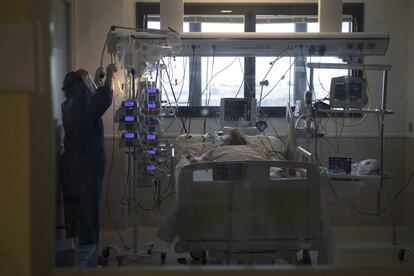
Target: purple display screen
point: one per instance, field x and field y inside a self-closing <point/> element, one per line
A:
<point x="129" y="104"/>
<point x="129" y="118"/>
<point x="129" y="135"/>
<point x="151" y="90"/>
<point x="152" y="152"/>
<point x="152" y="105"/>
<point x="152" y="137"/>
<point x="151" y="168"/>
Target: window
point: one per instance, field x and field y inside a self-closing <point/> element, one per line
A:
<point x="210" y="78"/>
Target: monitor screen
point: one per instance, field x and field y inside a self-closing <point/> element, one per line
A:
<point x="348" y="92"/>
<point x="238" y="112"/>
<point x="351" y="92"/>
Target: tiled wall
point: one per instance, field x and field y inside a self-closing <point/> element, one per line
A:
<point x="409" y="200"/>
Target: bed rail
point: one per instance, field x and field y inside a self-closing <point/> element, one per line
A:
<point x="248" y="205"/>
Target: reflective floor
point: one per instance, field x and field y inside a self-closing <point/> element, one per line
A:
<point x="355" y="246"/>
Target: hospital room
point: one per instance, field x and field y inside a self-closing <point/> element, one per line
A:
<point x="174" y="136"/>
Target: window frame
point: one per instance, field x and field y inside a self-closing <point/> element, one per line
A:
<point x="250" y="11"/>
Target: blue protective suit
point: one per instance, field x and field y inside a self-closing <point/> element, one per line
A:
<point x="82" y="166"/>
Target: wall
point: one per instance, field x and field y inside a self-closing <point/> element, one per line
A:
<point x="25" y="140"/>
<point x="410" y="69"/>
<point x="377" y="14"/>
<point x="410" y="114"/>
<point x="14" y="188"/>
<point x="14" y="141"/>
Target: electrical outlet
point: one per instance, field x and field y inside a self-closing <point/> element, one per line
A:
<point x="410" y="127"/>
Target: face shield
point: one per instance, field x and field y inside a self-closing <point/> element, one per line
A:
<point x="87" y="79"/>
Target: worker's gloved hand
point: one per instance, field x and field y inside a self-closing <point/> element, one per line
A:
<point x="99" y="76"/>
<point x="110" y="70"/>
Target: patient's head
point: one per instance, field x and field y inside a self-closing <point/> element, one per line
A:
<point x="235" y="138"/>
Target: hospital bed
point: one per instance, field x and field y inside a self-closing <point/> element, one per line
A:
<point x="248" y="210"/>
<point x="238" y="208"/>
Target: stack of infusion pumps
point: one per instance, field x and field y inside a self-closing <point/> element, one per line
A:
<point x="139" y="126"/>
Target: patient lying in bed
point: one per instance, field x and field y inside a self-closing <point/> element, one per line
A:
<point x="235" y="148"/>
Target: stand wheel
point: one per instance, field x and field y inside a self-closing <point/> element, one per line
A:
<point x="119" y="260"/>
<point x="106" y="252"/>
<point x="163" y="257"/>
<point x="401" y="254"/>
<point x="204" y="257"/>
<point x="196" y="255"/>
<point x="182" y="261"/>
<point x="306" y="257"/>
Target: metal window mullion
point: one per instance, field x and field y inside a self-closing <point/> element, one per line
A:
<point x="250" y="62"/>
<point x="194" y="95"/>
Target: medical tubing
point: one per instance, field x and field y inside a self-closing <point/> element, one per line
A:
<point x="243" y="79"/>
<point x="182" y="84"/>
<point x="304" y="68"/>
<point x="215" y="75"/>
<point x="281" y="78"/>
<point x="279" y="56"/>
<point x="175" y="99"/>
<point x="108" y="182"/>
<point x="212" y="71"/>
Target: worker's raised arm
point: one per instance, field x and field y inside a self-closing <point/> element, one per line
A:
<point x="102" y="99"/>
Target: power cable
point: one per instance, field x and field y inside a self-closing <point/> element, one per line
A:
<point x="108" y="182"/>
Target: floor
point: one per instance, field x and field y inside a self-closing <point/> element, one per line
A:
<point x="355" y="246"/>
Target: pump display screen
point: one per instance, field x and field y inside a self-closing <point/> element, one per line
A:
<point x="152" y="152"/>
<point x="152" y="105"/>
<point x="152" y="90"/>
<point x="151" y="168"/>
<point x="152" y="137"/>
<point x="129" y="104"/>
<point x="129" y="135"/>
<point x="130" y="119"/>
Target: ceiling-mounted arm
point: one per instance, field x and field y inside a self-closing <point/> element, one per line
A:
<point x="269" y="44"/>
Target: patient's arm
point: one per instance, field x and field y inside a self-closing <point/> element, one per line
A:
<point x="193" y="158"/>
